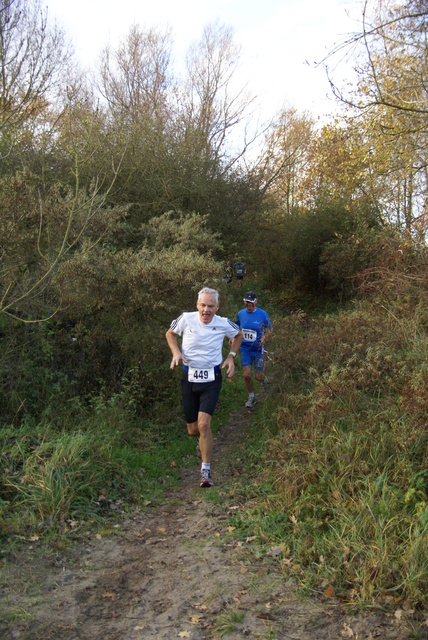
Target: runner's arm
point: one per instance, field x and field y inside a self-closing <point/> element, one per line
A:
<point x="171" y="339"/>
<point x="236" y="341"/>
<point x="234" y="346"/>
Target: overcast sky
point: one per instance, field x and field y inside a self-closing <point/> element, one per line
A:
<point x="278" y="38"/>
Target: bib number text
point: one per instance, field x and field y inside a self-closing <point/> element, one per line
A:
<point x="201" y="375"/>
<point x="249" y="335"/>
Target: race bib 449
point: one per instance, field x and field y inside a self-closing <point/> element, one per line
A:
<point x="201" y="375"/>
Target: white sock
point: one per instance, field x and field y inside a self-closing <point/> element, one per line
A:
<point x="206" y="465"/>
<point x="252" y="395"/>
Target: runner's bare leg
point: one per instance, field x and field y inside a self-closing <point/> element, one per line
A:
<point x="202" y="428"/>
<point x="248" y="379"/>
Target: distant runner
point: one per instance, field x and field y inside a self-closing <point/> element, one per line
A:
<point x="240" y="271"/>
<point x="203" y="333"/>
<point x="256" y="328"/>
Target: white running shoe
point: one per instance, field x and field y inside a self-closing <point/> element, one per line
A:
<point x="206" y="480"/>
<point x="250" y="402"/>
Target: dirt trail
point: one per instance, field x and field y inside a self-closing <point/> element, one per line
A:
<point x="172" y="572"/>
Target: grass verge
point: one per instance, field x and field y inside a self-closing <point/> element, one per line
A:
<point x="57" y="479"/>
<point x="335" y="484"/>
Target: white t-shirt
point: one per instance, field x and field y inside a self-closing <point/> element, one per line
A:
<point x="202" y="343"/>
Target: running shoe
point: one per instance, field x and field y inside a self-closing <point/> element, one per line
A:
<point x="206" y="480"/>
<point x="250" y="402"/>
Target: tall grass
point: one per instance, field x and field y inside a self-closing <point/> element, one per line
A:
<point x="344" y="473"/>
<point x="93" y="468"/>
<point x="52" y="474"/>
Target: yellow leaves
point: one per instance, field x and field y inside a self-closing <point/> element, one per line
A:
<point x="347" y="632"/>
<point x="195" y="618"/>
<point x="329" y="592"/>
<point x="266" y="616"/>
<point x="276" y="551"/>
<point x="293" y="519"/>
<point x="289" y="565"/>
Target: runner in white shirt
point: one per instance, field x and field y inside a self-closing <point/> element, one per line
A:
<point x="203" y="333"/>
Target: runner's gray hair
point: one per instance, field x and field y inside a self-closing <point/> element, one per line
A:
<point x="210" y="292"/>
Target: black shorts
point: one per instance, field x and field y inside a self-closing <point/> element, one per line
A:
<point x="199" y="396"/>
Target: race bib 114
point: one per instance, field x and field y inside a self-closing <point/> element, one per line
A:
<point x="249" y="335"/>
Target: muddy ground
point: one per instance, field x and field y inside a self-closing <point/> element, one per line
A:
<point x="174" y="571"/>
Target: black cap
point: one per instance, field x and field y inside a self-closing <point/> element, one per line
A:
<point x="250" y="296"/>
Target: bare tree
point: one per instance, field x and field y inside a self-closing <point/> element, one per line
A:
<point x="32" y="60"/>
<point x="391" y="93"/>
<point x="283" y="163"/>
<point x="391" y="56"/>
<point x="134" y="80"/>
<point x="214" y="105"/>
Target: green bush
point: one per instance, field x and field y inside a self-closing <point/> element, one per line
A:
<point x="318" y="251"/>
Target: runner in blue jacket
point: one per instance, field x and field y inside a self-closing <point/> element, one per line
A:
<point x="256" y="328"/>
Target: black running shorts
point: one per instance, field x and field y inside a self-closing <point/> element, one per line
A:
<point x="199" y="396"/>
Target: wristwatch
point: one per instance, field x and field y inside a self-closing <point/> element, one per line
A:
<point x="232" y="353"/>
